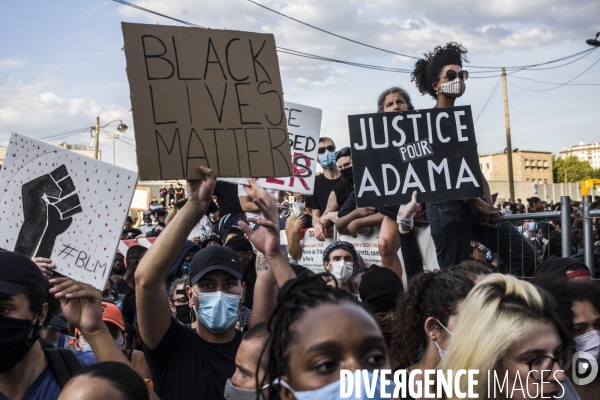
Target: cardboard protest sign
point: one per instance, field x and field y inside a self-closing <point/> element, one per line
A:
<point x="432" y="151"/>
<point x="206" y="97"/>
<point x="61" y="205"/>
<point x="304" y="128"/>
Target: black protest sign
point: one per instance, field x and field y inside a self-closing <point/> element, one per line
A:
<point x="206" y="97"/>
<point x="432" y="151"/>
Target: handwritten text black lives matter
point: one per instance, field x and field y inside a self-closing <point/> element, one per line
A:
<point x="206" y="97"/>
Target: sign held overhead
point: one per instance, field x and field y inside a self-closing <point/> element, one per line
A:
<point x="432" y="151"/>
<point x="206" y="97"/>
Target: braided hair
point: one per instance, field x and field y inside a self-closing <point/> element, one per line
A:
<point x="429" y="294"/>
<point x="427" y="69"/>
<point x="295" y="298"/>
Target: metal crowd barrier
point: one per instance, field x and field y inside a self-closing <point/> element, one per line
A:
<point x="588" y="233"/>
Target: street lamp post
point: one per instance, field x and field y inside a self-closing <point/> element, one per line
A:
<point x="121" y="128"/>
<point x="511" y="182"/>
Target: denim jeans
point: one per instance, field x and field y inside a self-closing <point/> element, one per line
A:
<point x="455" y="223"/>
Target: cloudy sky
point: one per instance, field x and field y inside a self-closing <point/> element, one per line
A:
<point x="61" y="62"/>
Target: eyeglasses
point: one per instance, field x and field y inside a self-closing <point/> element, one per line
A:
<point x="451" y="75"/>
<point x="182" y="301"/>
<point x="541" y="367"/>
<point x="343" y="152"/>
<point x="330" y="148"/>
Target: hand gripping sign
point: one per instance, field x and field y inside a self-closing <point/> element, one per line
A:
<point x="58" y="204"/>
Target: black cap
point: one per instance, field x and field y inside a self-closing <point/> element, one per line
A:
<point x="18" y="272"/>
<point x="214" y="258"/>
<point x="238" y="243"/>
<point x="154" y="208"/>
<point x="211" y="238"/>
<point x="379" y="288"/>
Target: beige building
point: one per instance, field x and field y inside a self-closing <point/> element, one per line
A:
<point x="528" y="166"/>
<point x="585" y="152"/>
<point x="77" y="148"/>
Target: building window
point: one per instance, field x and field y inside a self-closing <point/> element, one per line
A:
<point x="545" y="180"/>
<point x="487" y="165"/>
<point x="526" y="163"/>
<point x="545" y="164"/>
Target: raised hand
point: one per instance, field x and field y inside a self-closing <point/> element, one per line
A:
<point x="202" y="189"/>
<point x="45" y="265"/>
<point x="49" y="203"/>
<point x="266" y="238"/>
<point x="81" y="304"/>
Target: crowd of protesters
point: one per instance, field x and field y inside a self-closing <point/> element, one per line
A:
<point x="216" y="308"/>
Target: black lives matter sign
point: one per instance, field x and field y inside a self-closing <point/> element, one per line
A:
<point x="431" y="151"/>
<point x="206" y="97"/>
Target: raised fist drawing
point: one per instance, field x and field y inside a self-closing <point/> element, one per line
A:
<point x="49" y="203"/>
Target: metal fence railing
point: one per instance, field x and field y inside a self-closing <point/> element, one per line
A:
<point x="566" y="220"/>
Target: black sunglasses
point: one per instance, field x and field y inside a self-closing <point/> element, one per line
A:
<point x="330" y="148"/>
<point x="451" y="75"/>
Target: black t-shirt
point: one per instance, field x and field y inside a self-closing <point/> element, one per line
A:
<point x="131" y="233"/>
<point x="323" y="188"/>
<point x="184" y="366"/>
<point x="129" y="309"/>
<point x="348" y="206"/>
<point x="227" y="197"/>
<point x="342" y="191"/>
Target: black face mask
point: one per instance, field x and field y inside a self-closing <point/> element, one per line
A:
<point x="15" y="341"/>
<point x="348" y="175"/>
<point x="183" y="314"/>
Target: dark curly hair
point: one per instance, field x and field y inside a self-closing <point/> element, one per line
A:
<point x="427" y="70"/>
<point x="295" y="298"/>
<point x="430" y="294"/>
<point x="566" y="291"/>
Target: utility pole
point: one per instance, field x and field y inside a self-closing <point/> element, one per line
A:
<point x="511" y="182"/>
<point x="114" y="136"/>
<point x="97" y="128"/>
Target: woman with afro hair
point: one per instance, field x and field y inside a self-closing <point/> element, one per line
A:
<point x="455" y="223"/>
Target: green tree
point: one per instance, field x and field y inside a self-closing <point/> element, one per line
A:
<point x="596" y="174"/>
<point x="576" y="170"/>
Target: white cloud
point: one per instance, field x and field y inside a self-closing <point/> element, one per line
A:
<point x="10" y="63"/>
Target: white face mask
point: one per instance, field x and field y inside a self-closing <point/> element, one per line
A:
<point x="442" y="352"/>
<point x="342" y="270"/>
<point x="455" y="88"/>
<point x="590" y="343"/>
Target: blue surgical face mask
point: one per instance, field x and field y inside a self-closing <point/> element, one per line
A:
<point x="332" y="391"/>
<point x="327" y="160"/>
<point x="217" y="311"/>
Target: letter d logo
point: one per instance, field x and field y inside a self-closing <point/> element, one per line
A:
<point x="584" y="364"/>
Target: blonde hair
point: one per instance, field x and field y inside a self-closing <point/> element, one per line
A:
<point x="500" y="311"/>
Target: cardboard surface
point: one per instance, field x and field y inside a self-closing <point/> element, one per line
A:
<point x="432" y="151"/>
<point x="304" y="129"/>
<point x="61" y="205"/>
<point x="205" y="97"/>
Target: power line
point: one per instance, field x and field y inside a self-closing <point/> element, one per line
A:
<point x="560" y="84"/>
<point x="405" y="55"/>
<point x="65" y="134"/>
<point x="333" y="34"/>
<point x="360" y="65"/>
<point x="556" y="83"/>
<point x="488" y="100"/>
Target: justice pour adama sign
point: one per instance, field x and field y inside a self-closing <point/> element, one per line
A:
<point x="431" y="151"/>
<point x="206" y="97"/>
